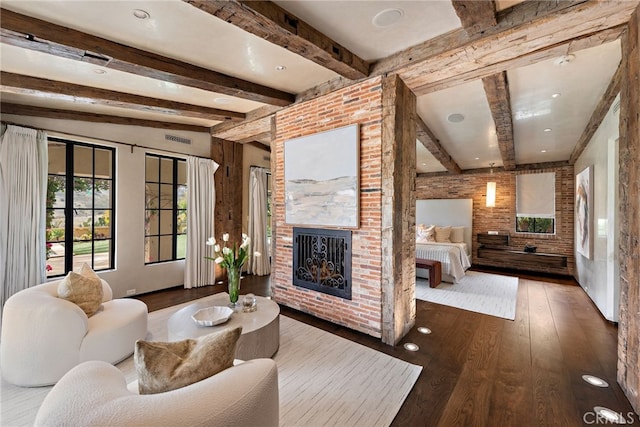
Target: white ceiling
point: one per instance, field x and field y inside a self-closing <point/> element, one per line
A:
<point x="178" y="30"/>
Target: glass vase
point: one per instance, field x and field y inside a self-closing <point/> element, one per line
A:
<point x="233" y="279"/>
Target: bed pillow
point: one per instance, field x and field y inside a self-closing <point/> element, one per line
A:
<point x="457" y="235"/>
<point x="443" y="234"/>
<point x="83" y="289"/>
<point x="425" y="234"/>
<point x="165" y="366"/>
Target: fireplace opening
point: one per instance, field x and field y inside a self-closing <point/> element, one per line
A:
<point x="322" y="260"/>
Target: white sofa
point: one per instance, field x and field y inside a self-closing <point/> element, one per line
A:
<point x="44" y="336"/>
<point x="96" y="394"/>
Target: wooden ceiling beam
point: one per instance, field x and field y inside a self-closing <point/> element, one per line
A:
<point x="521" y="30"/>
<point x="35" y="34"/>
<point x="598" y="115"/>
<point x="52" y="113"/>
<point x="50" y="89"/>
<point x="476" y="16"/>
<point x="520" y="168"/>
<point x="496" y="87"/>
<point x="431" y="143"/>
<point x="269" y="21"/>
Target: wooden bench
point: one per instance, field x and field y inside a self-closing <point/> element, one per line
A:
<point x="434" y="268"/>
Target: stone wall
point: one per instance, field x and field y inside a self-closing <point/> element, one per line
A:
<point x="502" y="217"/>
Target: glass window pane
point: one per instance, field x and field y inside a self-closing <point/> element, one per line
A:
<point x="82" y="192"/>
<point x="55" y="259"/>
<point x="102" y="224"/>
<point x="82" y="161"/>
<point x="166" y="248"/>
<point x="182" y="172"/>
<point x="82" y="222"/>
<point x="152" y="165"/>
<point x="152" y="196"/>
<point x="82" y="254"/>
<point x="151" y="223"/>
<point x="102" y="255"/>
<point x="55" y="225"/>
<point x="182" y="197"/>
<point x="151" y="249"/>
<point x="102" y="189"/>
<point x="56" y="191"/>
<point x="182" y="222"/>
<point x="166" y="196"/>
<point x="57" y="157"/>
<point x="181" y="246"/>
<point x="166" y="222"/>
<point x="103" y="163"/>
<point x="166" y="171"/>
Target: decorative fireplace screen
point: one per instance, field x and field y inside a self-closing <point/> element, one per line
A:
<point x="322" y="260"/>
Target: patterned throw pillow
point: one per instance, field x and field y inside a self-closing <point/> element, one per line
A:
<point x="443" y="234"/>
<point x="165" y="366"/>
<point x="83" y="289"/>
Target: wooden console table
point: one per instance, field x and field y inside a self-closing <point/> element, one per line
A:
<point x="434" y="268"/>
<point x="495" y="248"/>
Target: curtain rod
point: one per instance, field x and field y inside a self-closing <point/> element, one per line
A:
<point x="106" y="140"/>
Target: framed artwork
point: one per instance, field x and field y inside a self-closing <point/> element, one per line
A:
<point x="321" y="179"/>
<point x="584" y="212"/>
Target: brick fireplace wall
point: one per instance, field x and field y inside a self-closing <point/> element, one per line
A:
<point x="502" y="216"/>
<point x="362" y="104"/>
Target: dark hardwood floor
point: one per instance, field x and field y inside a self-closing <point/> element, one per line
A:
<point x="485" y="371"/>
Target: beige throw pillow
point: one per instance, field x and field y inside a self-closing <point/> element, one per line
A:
<point x="83" y="289"/>
<point x="443" y="234"/>
<point x="165" y="366"/>
<point x="457" y="235"/>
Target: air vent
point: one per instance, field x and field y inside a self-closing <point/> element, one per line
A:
<point x="179" y="139"/>
<point x="616" y="107"/>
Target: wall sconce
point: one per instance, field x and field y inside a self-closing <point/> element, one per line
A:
<point x="491" y="191"/>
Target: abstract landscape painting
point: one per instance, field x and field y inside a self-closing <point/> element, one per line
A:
<point x="321" y="173"/>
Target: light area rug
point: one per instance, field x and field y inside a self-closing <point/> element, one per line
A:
<point x="479" y="292"/>
<point x="324" y="380"/>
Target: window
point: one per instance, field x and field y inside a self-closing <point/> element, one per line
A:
<point x="80" y="206"/>
<point x="536" y="203"/>
<point x="165" y="216"/>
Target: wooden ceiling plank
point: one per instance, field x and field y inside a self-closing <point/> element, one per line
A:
<point x="35" y="34"/>
<point x="50" y="89"/>
<point x="431" y="143"/>
<point x="525" y="28"/>
<point x="476" y="15"/>
<point x="496" y="87"/>
<point x="551" y="52"/>
<point x="269" y="21"/>
<point x="598" y="115"/>
<point x="52" y="113"/>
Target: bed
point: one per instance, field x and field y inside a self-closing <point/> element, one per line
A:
<point x="455" y="257"/>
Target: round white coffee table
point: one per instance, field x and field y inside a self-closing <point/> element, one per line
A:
<point x="260" y="329"/>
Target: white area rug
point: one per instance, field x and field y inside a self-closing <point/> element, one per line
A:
<point x="323" y="379"/>
<point x="479" y="292"/>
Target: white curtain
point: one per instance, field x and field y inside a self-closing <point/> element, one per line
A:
<point x="258" y="265"/>
<point x="23" y="204"/>
<point x="201" y="200"/>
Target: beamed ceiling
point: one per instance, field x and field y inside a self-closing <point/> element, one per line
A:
<point x="506" y="82"/>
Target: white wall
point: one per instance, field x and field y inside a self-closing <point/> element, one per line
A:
<point x="599" y="276"/>
<point x="130" y="271"/>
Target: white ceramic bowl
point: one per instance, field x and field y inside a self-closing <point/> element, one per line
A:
<point x="211" y="316"/>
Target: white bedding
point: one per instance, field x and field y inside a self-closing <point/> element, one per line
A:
<point x="453" y="256"/>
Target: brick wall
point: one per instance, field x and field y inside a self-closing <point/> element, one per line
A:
<point x="502" y="216"/>
<point x="360" y="103"/>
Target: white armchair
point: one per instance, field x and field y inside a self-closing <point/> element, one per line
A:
<point x="96" y="394"/>
<point x="44" y="336"/>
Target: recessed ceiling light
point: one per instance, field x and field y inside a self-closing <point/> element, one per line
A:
<point x="280" y="68"/>
<point x="547" y="130"/>
<point x="141" y="14"/>
<point x="99" y="71"/>
<point x="598" y="382"/>
<point x="608" y="414"/>
<point x="477" y="158"/>
<point x="424" y="164"/>
<point x="556" y="95"/>
<point x="222" y="100"/>
<point x="424" y="330"/>
<point x="543" y="151"/>
<point x="411" y="346"/>
<point x="564" y="60"/>
<point x="455" y="118"/>
<point x="387" y="17"/>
